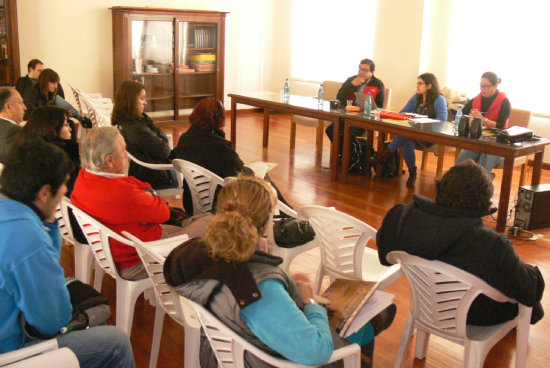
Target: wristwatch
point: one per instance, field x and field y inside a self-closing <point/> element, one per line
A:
<point x="313" y="301"/>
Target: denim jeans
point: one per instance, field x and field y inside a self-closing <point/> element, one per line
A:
<point x="98" y="347"/>
<point x="487" y="161"/>
<point x="408" y="149"/>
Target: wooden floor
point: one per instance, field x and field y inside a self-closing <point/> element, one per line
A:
<point x="304" y="179"/>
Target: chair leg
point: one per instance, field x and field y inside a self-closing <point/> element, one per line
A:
<point x="474" y="356"/>
<point x="192" y="346"/>
<point x="422" y="340"/>
<point x="405" y="338"/>
<point x="83" y="260"/>
<point x="157" y="335"/>
<point x="522" y="336"/>
<point x="400" y="150"/>
<point x="440" y="159"/>
<point x="457" y="153"/>
<point x="292" y="133"/>
<point x="319" y="275"/>
<point x="98" y="277"/>
<point x="126" y="296"/>
<point x="319" y="138"/>
<point x="424" y="159"/>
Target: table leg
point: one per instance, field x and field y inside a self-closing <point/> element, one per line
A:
<point x="505" y="189"/>
<point x="440" y="158"/>
<point x="345" y="153"/>
<point x="233" y="123"/>
<point x="537" y="168"/>
<point x="266" y="127"/>
<point x="335" y="148"/>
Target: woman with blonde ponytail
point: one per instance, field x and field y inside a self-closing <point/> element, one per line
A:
<point x="229" y="272"/>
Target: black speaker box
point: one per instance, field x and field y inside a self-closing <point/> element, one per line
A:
<point x="533" y="208"/>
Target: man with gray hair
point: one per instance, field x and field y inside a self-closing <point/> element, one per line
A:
<point x="12" y="110"/>
<point x="121" y="202"/>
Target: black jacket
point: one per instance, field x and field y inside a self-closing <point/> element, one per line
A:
<point x="147" y="143"/>
<point x="459" y="238"/>
<point x="8" y="136"/>
<point x="209" y="149"/>
<point x="348" y="89"/>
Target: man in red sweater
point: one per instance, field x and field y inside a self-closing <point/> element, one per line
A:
<point x="120" y="202"/>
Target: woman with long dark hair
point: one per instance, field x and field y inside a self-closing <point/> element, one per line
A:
<point x="426" y="101"/>
<point x="144" y="140"/>
<point x="51" y="124"/>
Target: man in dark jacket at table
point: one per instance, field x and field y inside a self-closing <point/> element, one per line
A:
<point x="364" y="82"/>
<point x="451" y="230"/>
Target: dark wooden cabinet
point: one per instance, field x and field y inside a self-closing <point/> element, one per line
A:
<point x="177" y="54"/>
<point x="9" y="43"/>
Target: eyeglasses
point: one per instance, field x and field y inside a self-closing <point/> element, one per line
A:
<point x="420" y="83"/>
<point x="364" y="70"/>
<point x="484" y="86"/>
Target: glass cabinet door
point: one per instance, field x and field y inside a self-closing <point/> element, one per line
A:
<point x="153" y="64"/>
<point x="197" y="63"/>
<point x="4" y="62"/>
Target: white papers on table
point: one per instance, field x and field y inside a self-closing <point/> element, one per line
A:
<point x="261" y="168"/>
<point x="425" y="120"/>
<point x="376" y="304"/>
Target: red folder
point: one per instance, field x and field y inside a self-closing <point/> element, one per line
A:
<point x="393" y="115"/>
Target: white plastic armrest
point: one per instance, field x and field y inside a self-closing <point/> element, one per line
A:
<point x="344" y="352"/>
<point x="23" y="353"/>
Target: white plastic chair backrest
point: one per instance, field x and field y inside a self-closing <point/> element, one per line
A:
<point x="441" y="293"/>
<point x="98" y="236"/>
<point x="342" y="238"/>
<point x="228" y="346"/>
<point x="202" y="184"/>
<point x="154" y="263"/>
<point x="77" y="99"/>
<point x="98" y="118"/>
<point x="62" y="216"/>
<point x="280" y="207"/>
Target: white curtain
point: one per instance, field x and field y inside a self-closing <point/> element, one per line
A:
<point x="329" y="37"/>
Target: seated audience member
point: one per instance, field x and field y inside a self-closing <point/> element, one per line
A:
<point x="46" y="92"/>
<point x="146" y="142"/>
<point x="363" y="82"/>
<point x="229" y="264"/>
<point x="32" y="282"/>
<point x="120" y="202"/>
<point x="493" y="107"/>
<point x="34" y="69"/>
<point x="426" y="101"/>
<point x="204" y="144"/>
<point x="451" y="230"/>
<point x="12" y="110"/>
<point x="51" y="124"/>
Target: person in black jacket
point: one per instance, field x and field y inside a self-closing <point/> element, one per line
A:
<point x="12" y="110"/>
<point x="451" y="230"/>
<point x="144" y="140"/>
<point x="363" y="82"/>
<point x="34" y="69"/>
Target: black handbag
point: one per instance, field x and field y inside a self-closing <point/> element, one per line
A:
<point x="289" y="232"/>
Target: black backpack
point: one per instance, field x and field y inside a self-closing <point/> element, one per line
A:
<point x="391" y="166"/>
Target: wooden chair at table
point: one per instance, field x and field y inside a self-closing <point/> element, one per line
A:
<point x="441" y="296"/>
<point x="331" y="89"/>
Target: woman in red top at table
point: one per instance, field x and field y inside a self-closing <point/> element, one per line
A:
<point x="493" y="107"/>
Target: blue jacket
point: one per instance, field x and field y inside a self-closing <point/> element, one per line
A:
<point x="31" y="280"/>
<point x="439" y="107"/>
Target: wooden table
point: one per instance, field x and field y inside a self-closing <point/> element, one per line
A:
<point x="509" y="152"/>
<point x="296" y="105"/>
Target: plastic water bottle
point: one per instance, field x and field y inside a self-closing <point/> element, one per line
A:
<point x="367" y="106"/>
<point x="457" y="120"/>
<point x="321" y="96"/>
<point x="286" y="91"/>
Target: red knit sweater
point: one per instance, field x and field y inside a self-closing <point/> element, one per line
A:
<point x="121" y="204"/>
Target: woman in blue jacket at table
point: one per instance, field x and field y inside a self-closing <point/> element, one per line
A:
<point x="228" y="272"/>
<point x="426" y="101"/>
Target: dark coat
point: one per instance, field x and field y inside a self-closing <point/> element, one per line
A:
<point x="8" y="135"/>
<point x="459" y="238"/>
<point x="348" y="89"/>
<point x="147" y="143"/>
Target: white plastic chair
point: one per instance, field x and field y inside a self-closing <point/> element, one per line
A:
<point x="44" y="355"/>
<point x="161" y="192"/>
<point x="83" y="257"/>
<point x="287" y="254"/>
<point x="152" y="255"/>
<point x="344" y="253"/>
<point x="229" y="347"/>
<point x="77" y="99"/>
<point x="202" y="184"/>
<point x="440" y="301"/>
<point x="127" y="291"/>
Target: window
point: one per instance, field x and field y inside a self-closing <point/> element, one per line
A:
<point x="509" y="38"/>
<point x="329" y="38"/>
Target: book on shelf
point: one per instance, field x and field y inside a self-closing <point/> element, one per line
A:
<point x="353" y="303"/>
